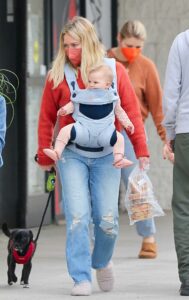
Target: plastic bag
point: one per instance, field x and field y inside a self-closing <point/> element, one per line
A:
<point x="140" y="200"/>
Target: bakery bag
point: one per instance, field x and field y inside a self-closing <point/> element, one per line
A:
<point x="140" y="200"/>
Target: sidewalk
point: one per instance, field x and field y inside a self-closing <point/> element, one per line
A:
<point x="135" y="278"/>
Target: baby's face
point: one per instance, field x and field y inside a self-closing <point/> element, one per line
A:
<point x="96" y="81"/>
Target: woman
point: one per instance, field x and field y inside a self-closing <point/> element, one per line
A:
<point x="144" y="77"/>
<point x="84" y="173"/>
<point x="2" y="126"/>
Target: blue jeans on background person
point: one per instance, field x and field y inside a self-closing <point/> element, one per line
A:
<point x="90" y="187"/>
<point x="147" y="227"/>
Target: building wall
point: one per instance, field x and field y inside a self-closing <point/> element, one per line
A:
<point x="163" y="19"/>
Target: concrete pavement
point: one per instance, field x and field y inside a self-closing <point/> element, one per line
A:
<point x="135" y="278"/>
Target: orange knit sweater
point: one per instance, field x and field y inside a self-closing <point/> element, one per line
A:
<point x="145" y="79"/>
<point x="53" y="99"/>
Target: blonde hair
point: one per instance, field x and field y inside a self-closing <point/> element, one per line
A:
<point x="133" y="29"/>
<point x="105" y="70"/>
<point x="80" y="29"/>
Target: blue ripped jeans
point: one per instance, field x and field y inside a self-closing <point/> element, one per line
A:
<point x="90" y="187"/>
<point x="147" y="227"/>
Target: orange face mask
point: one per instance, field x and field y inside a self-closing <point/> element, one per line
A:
<point x="130" y="53"/>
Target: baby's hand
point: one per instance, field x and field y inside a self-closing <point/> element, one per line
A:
<point x="130" y="127"/>
<point x="62" y="112"/>
<point x="66" y="109"/>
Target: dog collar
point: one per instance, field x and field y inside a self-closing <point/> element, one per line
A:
<point x="24" y="259"/>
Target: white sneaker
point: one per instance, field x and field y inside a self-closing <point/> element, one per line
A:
<point x="82" y="289"/>
<point x="105" y="278"/>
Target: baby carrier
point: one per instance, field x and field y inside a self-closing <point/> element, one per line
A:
<point x="94" y="134"/>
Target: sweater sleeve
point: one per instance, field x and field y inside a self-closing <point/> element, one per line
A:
<point x="46" y="123"/>
<point x="172" y="88"/>
<point x="130" y="104"/>
<point x="153" y="98"/>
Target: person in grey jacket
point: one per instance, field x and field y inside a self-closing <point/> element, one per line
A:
<point x="2" y="126"/>
<point x="176" y="122"/>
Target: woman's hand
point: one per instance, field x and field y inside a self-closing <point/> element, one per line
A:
<point x="44" y="167"/>
<point x="47" y="168"/>
<point x="144" y="163"/>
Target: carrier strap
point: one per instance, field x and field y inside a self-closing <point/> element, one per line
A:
<point x="112" y="63"/>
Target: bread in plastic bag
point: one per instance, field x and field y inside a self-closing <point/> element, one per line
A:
<point x="140" y="200"/>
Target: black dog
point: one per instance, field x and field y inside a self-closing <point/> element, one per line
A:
<point x="21" y="248"/>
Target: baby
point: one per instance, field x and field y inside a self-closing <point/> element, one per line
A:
<point x="99" y="77"/>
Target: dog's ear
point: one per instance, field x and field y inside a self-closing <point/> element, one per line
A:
<point x="31" y="235"/>
<point x="6" y="230"/>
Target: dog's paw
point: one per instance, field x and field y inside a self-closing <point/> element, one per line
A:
<point x="10" y="282"/>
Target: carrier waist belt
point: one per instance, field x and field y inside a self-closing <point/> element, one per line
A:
<point x="89" y="149"/>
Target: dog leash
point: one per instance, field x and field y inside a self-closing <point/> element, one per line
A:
<point x="50" y="185"/>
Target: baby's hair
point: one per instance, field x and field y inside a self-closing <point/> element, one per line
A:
<point x="105" y="69"/>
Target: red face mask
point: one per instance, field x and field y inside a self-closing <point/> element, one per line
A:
<point x="74" y="56"/>
<point x="131" y="53"/>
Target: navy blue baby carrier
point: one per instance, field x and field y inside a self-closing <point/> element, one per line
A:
<point x="93" y="134"/>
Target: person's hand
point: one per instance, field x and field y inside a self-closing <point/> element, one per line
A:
<point x="66" y="109"/>
<point x="144" y="163"/>
<point x="130" y="128"/>
<point x="44" y="167"/>
<point x="47" y="168"/>
<point x="168" y="152"/>
<point x="62" y="112"/>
